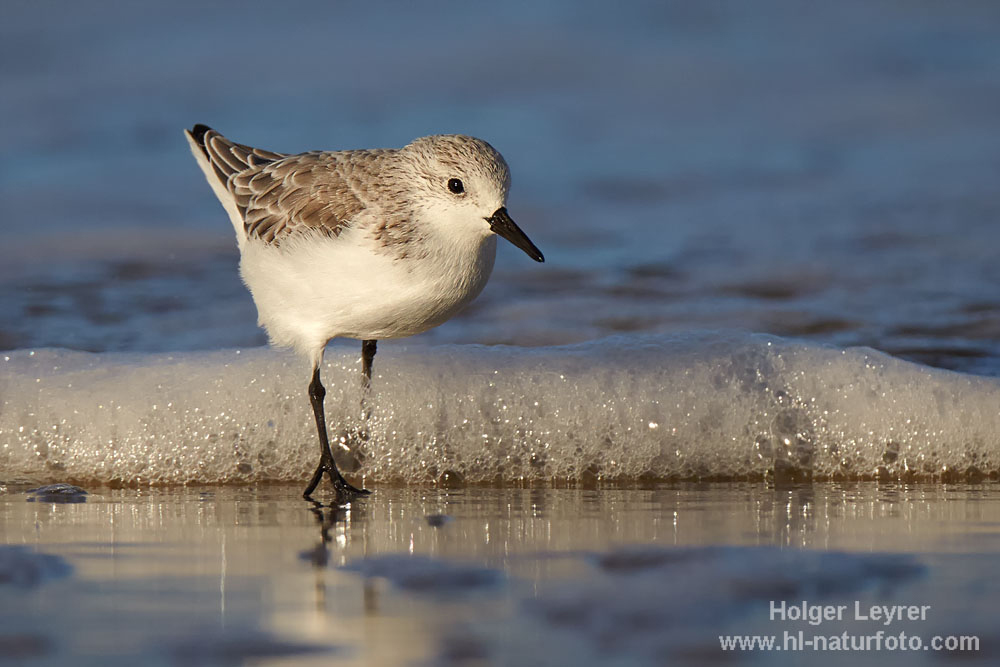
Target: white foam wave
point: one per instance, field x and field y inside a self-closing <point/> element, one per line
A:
<point x="625" y="408"/>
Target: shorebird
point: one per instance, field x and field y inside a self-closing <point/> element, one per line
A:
<point x="364" y="244"/>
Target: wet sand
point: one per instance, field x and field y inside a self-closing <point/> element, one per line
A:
<point x="477" y="576"/>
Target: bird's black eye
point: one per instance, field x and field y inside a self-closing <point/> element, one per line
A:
<point x="456" y="186"/>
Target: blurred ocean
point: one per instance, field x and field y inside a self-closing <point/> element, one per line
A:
<point x="824" y="173"/>
<point x="827" y="172"/>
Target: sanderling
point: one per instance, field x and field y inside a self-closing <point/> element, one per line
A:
<point x="365" y="244"/>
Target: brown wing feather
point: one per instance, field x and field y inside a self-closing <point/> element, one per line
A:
<point x="304" y="192"/>
<point x="278" y="194"/>
<point x="229" y="157"/>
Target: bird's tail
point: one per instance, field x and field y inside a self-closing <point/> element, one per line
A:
<point x="219" y="159"/>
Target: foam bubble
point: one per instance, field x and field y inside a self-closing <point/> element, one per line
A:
<point x="718" y="406"/>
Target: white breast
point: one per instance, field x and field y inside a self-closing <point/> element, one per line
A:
<point x="311" y="289"/>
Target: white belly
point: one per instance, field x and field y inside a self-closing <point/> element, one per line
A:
<point x="315" y="289"/>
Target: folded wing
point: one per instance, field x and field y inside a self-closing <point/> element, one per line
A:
<point x="273" y="195"/>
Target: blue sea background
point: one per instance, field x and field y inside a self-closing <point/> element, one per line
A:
<point x="826" y="171"/>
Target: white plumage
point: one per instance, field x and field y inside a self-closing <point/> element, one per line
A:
<point x="313" y="289"/>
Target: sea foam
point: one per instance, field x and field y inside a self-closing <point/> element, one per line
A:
<point x="699" y="406"/>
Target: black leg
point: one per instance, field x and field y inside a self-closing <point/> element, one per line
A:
<point x="344" y="490"/>
<point x="368" y="348"/>
<point x="367" y="356"/>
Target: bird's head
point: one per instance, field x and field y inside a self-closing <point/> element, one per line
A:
<point x="463" y="182"/>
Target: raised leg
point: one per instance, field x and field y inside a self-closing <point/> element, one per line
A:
<point x="367" y="356"/>
<point x="327" y="465"/>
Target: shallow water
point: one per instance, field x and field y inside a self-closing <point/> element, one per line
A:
<point x="223" y="575"/>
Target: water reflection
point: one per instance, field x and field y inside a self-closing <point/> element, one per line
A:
<point x="410" y="574"/>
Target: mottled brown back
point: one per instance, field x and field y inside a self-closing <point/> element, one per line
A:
<point x="278" y="194"/>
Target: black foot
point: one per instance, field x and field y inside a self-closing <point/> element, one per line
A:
<point x="344" y="490"/>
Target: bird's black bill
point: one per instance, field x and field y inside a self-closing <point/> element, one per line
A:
<point x="502" y="225"/>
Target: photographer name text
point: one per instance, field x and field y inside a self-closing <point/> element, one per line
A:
<point x="815" y="614"/>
